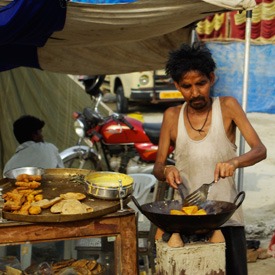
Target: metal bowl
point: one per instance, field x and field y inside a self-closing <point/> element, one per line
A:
<point x="13" y="173"/>
<point x="105" y="185"/>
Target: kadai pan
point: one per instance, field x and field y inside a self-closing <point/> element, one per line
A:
<point x="218" y="212"/>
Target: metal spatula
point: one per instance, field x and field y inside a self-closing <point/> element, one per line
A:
<point x="198" y="196"/>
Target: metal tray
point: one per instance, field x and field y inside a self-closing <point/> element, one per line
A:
<point x="58" y="181"/>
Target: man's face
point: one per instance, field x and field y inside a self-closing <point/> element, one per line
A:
<point x="195" y="88"/>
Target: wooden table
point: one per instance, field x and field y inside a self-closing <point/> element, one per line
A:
<point x="122" y="225"/>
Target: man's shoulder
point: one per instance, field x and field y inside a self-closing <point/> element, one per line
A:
<point x="228" y="101"/>
<point x="175" y="110"/>
<point x="42" y="145"/>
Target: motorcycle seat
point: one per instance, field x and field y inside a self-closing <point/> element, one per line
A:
<point x="152" y="130"/>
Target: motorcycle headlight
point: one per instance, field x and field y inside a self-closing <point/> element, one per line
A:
<point x="79" y="128"/>
<point x="144" y="79"/>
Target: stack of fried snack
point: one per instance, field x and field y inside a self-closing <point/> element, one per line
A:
<point x="26" y="199"/>
<point x="19" y="200"/>
<point x="81" y="267"/>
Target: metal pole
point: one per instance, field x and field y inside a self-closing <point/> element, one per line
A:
<point x="245" y="88"/>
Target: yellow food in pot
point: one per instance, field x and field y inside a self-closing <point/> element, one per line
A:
<point x="189" y="210"/>
<point x="109" y="179"/>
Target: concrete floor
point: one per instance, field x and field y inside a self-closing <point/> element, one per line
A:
<point x="262" y="267"/>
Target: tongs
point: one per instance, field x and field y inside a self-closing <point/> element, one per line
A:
<point x="199" y="196"/>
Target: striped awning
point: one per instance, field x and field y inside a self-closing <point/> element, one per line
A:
<point x="230" y="26"/>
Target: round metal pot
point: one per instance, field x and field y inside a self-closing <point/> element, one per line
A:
<point x="109" y="185"/>
<point x="13" y="173"/>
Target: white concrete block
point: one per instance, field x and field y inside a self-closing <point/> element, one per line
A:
<point x="194" y="258"/>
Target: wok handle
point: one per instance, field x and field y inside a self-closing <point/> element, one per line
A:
<point x="240" y="196"/>
<point x="136" y="203"/>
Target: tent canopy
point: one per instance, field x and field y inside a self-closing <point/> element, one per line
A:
<point x="77" y="38"/>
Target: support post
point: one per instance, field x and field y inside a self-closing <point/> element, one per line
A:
<point x="245" y="89"/>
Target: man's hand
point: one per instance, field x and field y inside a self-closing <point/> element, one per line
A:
<point x="225" y="169"/>
<point x="172" y="176"/>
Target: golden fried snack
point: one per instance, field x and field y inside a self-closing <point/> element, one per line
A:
<point x="80" y="263"/>
<point x="23" y="177"/>
<point x="13" y="201"/>
<point x="98" y="269"/>
<point x="177" y="212"/>
<point x="27" y="177"/>
<point x="38" y="197"/>
<point x="71" y="207"/>
<point x="30" y="197"/>
<point x="35" y="178"/>
<point x="73" y="195"/>
<point x="91" y="264"/>
<point x="35" y="192"/>
<point x="24" y="210"/>
<point x="35" y="210"/>
<point x="189" y="210"/>
<point x="46" y="203"/>
<point x="200" y="212"/>
<point x="57" y="207"/>
<point x="31" y="184"/>
<point x="61" y="264"/>
<point x="81" y="270"/>
<point x="27" y="192"/>
<point x="24" y="189"/>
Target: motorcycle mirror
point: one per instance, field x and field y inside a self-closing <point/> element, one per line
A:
<point x="92" y="84"/>
<point x="98" y="99"/>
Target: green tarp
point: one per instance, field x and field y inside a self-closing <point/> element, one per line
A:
<point x="50" y="96"/>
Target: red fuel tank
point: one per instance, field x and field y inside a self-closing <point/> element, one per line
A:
<point x="115" y="133"/>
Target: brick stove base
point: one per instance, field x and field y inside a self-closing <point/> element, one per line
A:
<point x="195" y="258"/>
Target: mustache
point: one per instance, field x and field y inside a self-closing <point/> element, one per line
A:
<point x="199" y="98"/>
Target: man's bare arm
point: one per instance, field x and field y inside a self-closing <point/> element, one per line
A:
<point x="257" y="151"/>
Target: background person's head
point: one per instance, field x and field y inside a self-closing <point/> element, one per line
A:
<point x="28" y="128"/>
<point x="190" y="58"/>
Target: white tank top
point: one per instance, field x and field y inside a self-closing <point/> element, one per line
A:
<point x="196" y="160"/>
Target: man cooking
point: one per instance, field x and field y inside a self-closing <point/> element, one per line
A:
<point x="203" y="131"/>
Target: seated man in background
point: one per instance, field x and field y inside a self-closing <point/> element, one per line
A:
<point x="32" y="151"/>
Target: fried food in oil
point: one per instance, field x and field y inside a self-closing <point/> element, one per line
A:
<point x="177" y="212"/>
<point x="189" y="210"/>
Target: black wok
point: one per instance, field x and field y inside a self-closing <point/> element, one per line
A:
<point x="218" y="212"/>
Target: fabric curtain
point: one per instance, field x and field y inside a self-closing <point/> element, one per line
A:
<point x="231" y="26"/>
<point x="99" y="38"/>
<point x="52" y="97"/>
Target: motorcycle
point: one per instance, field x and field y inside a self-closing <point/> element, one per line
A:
<point x="114" y="142"/>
